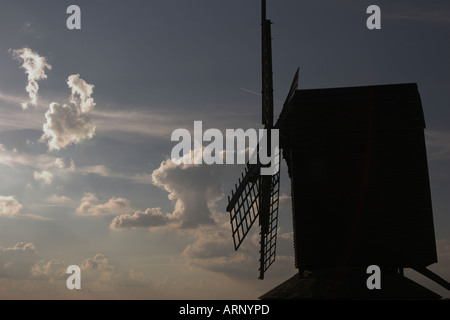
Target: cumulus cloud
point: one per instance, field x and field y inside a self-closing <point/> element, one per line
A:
<point x="54" y="269"/>
<point x="44" y="176"/>
<point x="101" y="271"/>
<point x="147" y="219"/>
<point x="9" y="206"/>
<point x="89" y="197"/>
<point x="70" y="124"/>
<point x="66" y="125"/>
<point x="17" y="262"/>
<point x="81" y="93"/>
<point x="35" y="67"/>
<point x="23" y="262"/>
<point x="114" y="206"/>
<point x="194" y="188"/>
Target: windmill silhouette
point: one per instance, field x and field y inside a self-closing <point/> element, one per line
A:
<point x="360" y="188"/>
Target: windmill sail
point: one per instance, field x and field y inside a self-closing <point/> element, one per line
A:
<point x="269" y="238"/>
<point x="243" y="205"/>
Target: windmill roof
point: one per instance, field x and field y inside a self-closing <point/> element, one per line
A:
<point x="380" y="107"/>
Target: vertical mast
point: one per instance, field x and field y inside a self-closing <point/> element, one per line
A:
<point x="267" y="82"/>
<point x="267" y="121"/>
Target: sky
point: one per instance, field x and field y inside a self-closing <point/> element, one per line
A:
<point x="87" y="116"/>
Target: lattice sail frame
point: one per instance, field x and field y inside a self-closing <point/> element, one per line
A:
<point x="270" y="238"/>
<point x="244" y="205"/>
<point x="244" y="208"/>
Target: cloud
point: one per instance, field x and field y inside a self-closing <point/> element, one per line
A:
<point x="430" y="13"/>
<point x="137" y="122"/>
<point x="100" y="271"/>
<point x="81" y="93"/>
<point x="17" y="262"/>
<point x="35" y="67"/>
<point x="438" y="144"/>
<point x="59" y="199"/>
<point x="114" y="206"/>
<point x="54" y="269"/>
<point x="147" y="219"/>
<point x="22" y="261"/>
<point x="60" y="164"/>
<point x="28" y="28"/>
<point x="103" y="171"/>
<point x="9" y="206"/>
<point x="12" y="158"/>
<point x="194" y="188"/>
<point x="43" y="162"/>
<point x="211" y="248"/>
<point x="70" y="124"/>
<point x="45" y="176"/>
<point x="89" y="197"/>
<point x="66" y="125"/>
<point x="285" y="201"/>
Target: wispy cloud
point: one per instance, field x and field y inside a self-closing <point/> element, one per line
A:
<point x="103" y="171"/>
<point x="13" y="158"/>
<point x="35" y="67"/>
<point x="28" y="28"/>
<point x="62" y="200"/>
<point x="427" y="12"/>
<point x="141" y="122"/>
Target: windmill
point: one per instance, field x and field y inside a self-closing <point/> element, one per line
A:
<point x="357" y="162"/>
<point x="257" y="196"/>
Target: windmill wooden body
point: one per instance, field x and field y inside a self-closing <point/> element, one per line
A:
<point x="360" y="189"/>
